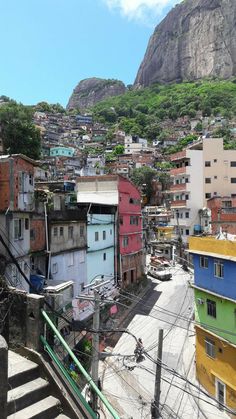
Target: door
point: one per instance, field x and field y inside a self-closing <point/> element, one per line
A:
<point x="220" y="393"/>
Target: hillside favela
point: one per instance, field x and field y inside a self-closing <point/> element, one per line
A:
<point x="118" y="210"/>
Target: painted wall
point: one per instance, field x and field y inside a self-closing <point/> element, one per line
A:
<point x="62" y="151"/>
<point x="225" y="315"/>
<point x="220" y="170"/>
<point x="129" y="206"/>
<point x="204" y="277"/>
<point x="61" y="242"/>
<point x="223" y="366"/>
<point x="100" y="253"/>
<point x="13" y="192"/>
<point x="70" y="266"/>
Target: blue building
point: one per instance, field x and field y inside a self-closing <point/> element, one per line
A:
<point x="101" y="245"/>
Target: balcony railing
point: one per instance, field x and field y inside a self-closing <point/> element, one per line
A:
<point x="178" y="171"/>
<point x="179" y="203"/>
<point x="178" y="156"/>
<point x="178" y="187"/>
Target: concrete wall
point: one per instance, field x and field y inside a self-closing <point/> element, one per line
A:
<point x="100" y="254"/>
<point x="129" y="206"/>
<point x="204" y="277"/>
<point x="225" y="315"/>
<point x="70" y="266"/>
<point x="220" y="170"/>
<point x="222" y="367"/>
<point x="63" y="242"/>
<point x="3" y="377"/>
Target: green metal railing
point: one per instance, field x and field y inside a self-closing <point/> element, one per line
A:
<point x="80" y="368"/>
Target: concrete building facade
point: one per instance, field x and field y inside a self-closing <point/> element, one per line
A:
<point x="215" y="313"/>
<point x="203" y="170"/>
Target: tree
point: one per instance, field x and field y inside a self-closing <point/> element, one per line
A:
<point x="119" y="149"/>
<point x="18" y="132"/>
<point x="142" y="178"/>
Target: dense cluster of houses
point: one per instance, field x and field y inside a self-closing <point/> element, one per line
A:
<point x="67" y="230"/>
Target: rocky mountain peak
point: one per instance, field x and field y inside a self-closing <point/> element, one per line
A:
<point x="197" y="39"/>
<point x="92" y="90"/>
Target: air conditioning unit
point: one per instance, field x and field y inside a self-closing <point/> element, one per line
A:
<point x="200" y="301"/>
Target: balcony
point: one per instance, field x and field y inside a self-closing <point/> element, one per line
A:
<point x="178" y="156"/>
<point x="178" y="203"/>
<point x="178" y="187"/>
<point x="178" y="171"/>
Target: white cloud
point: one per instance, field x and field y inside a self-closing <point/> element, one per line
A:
<point x="142" y="10"/>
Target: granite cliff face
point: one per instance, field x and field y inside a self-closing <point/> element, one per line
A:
<point x="196" y="39"/>
<point x="93" y="90"/>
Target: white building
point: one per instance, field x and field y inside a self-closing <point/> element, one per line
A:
<point x="134" y="144"/>
<point x="203" y="170"/>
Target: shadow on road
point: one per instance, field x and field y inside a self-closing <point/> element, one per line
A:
<point x="144" y="306"/>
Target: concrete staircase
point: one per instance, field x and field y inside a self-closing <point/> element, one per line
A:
<point x="29" y="395"/>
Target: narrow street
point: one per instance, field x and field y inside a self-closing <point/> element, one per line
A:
<point x="129" y="386"/>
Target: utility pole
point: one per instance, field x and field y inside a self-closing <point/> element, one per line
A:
<point x="96" y="299"/>
<point x="95" y="347"/>
<point x="155" y="410"/>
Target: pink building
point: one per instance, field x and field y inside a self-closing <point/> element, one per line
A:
<point x="119" y="191"/>
<point x="130" y="231"/>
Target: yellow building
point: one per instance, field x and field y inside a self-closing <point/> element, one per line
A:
<point x="164" y="233"/>
<point x="216" y="366"/>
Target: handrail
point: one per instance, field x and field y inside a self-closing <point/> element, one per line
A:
<point x="68" y="377"/>
<point x="80" y="367"/>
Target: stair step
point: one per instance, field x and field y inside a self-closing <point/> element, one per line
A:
<point x="43" y="409"/>
<point x="29" y="393"/>
<point x="20" y="370"/>
<point x="62" y="417"/>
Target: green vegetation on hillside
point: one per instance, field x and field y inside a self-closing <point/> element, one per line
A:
<point x="18" y="133"/>
<point x="141" y="111"/>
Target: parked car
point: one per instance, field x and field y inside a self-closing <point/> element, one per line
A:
<point x="162" y="273"/>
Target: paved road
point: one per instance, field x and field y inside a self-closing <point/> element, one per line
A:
<point x="169" y="305"/>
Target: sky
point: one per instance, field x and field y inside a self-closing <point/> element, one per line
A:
<point x="48" y="46"/>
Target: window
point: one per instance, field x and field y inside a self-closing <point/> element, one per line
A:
<point x="31" y="179"/>
<point x="207" y="180"/>
<point x="104" y="235"/>
<point x="125" y="241"/>
<point x="218" y="269"/>
<point x="26" y="224"/>
<point x="61" y="231"/>
<point x="70" y="232"/>
<point x="227" y="204"/>
<point x="233" y="179"/>
<point x="207" y="164"/>
<point x="18" y="229"/>
<point x="233" y="163"/>
<point x="55" y="231"/>
<point x="203" y="262"/>
<point x="133" y="220"/>
<point x="186" y="196"/>
<point x="187" y="215"/>
<point x="54" y="268"/>
<point x="70" y="261"/>
<point x="211" y="308"/>
<point x="81" y="231"/>
<point x="96" y="236"/>
<point x="215" y="160"/>
<point x="187" y="232"/>
<point x="207" y="195"/>
<point x="104" y="256"/>
<point x="121" y="220"/>
<point x="32" y="234"/>
<point x="210" y="348"/>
